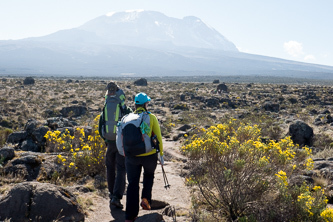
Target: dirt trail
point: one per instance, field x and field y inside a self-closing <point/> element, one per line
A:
<point x="177" y="196"/>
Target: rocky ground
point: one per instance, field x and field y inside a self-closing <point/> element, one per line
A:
<point x="169" y="204"/>
<point x="30" y="107"/>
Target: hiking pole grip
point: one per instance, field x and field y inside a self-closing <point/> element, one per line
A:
<point x="156" y="145"/>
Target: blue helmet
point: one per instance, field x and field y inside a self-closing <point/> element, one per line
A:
<point x="141" y="98"/>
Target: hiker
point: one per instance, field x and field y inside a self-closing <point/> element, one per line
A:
<point x="147" y="160"/>
<point x="114" y="109"/>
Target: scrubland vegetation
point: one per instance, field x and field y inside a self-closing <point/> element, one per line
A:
<point x="239" y="177"/>
<point x="241" y="163"/>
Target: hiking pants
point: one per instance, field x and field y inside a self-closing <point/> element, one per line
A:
<point x="113" y="160"/>
<point x="133" y="168"/>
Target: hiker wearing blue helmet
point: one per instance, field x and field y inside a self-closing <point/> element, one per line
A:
<point x="141" y="98"/>
<point x="147" y="161"/>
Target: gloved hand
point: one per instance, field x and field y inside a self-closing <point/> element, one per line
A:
<point x="161" y="159"/>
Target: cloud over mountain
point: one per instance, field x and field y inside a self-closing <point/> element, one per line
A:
<point x="293" y="48"/>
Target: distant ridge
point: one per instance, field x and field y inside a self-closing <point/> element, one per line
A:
<point x="144" y="43"/>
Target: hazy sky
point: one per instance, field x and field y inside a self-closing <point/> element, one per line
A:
<point x="298" y="30"/>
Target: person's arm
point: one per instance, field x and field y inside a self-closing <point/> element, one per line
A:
<point x="122" y="97"/>
<point x="124" y="109"/>
<point x="127" y="110"/>
<point x="100" y="124"/>
<point x="157" y="131"/>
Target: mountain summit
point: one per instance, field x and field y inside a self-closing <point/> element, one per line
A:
<point x="155" y="30"/>
<point x="144" y="43"/>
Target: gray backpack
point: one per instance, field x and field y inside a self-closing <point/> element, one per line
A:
<point x="132" y="138"/>
<point x="112" y="113"/>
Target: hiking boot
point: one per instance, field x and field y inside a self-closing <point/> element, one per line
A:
<point x="116" y="202"/>
<point x="145" y="204"/>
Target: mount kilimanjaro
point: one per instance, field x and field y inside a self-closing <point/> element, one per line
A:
<point x="143" y="43"/>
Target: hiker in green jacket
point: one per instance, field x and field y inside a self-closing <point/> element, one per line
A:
<point x="114" y="109"/>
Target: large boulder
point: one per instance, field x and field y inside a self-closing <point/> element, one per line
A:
<point x="6" y="153"/>
<point x="6" y="123"/>
<point x="221" y="88"/>
<point x="33" y="201"/>
<point x="301" y="133"/>
<point x="30" y="126"/>
<point x="73" y="111"/>
<point x="31" y="139"/>
<point x="39" y="133"/>
<point x="212" y="102"/>
<point x="59" y="122"/>
<point x="29" y="81"/>
<point x="30" y="145"/>
<point x="271" y="107"/>
<point x="17" y="137"/>
<point x="141" y="82"/>
<point x="184" y="127"/>
<point x="27" y="166"/>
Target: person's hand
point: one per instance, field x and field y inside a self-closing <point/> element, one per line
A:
<point x="161" y="159"/>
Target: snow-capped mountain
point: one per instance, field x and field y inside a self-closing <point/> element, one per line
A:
<point x="153" y="29"/>
<point x="144" y="43"/>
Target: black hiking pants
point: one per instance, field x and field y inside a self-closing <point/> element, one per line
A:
<point x="134" y="166"/>
<point x="114" y="161"/>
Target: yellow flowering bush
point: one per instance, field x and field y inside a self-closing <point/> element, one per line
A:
<point x="82" y="154"/>
<point x="327" y="215"/>
<point x="238" y="174"/>
<point x="298" y="203"/>
<point x="57" y="141"/>
<point x="311" y="203"/>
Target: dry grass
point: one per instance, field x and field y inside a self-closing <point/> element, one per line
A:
<point x="85" y="201"/>
<point x="49" y="95"/>
<point x="327" y="152"/>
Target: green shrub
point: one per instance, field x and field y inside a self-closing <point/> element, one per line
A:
<point x="241" y="178"/>
<point x="181" y="106"/>
<point x="4" y="133"/>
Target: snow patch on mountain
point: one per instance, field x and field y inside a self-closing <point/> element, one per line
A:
<point x="153" y="29"/>
<point x="110" y="14"/>
<point x="134" y="10"/>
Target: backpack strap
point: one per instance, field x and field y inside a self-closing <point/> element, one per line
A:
<point x="122" y="111"/>
<point x="141" y="119"/>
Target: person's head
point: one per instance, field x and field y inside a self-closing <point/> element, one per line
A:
<point x="141" y="100"/>
<point x="112" y="88"/>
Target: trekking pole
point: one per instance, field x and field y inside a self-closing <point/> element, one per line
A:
<point x="166" y="182"/>
<point x="156" y="144"/>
